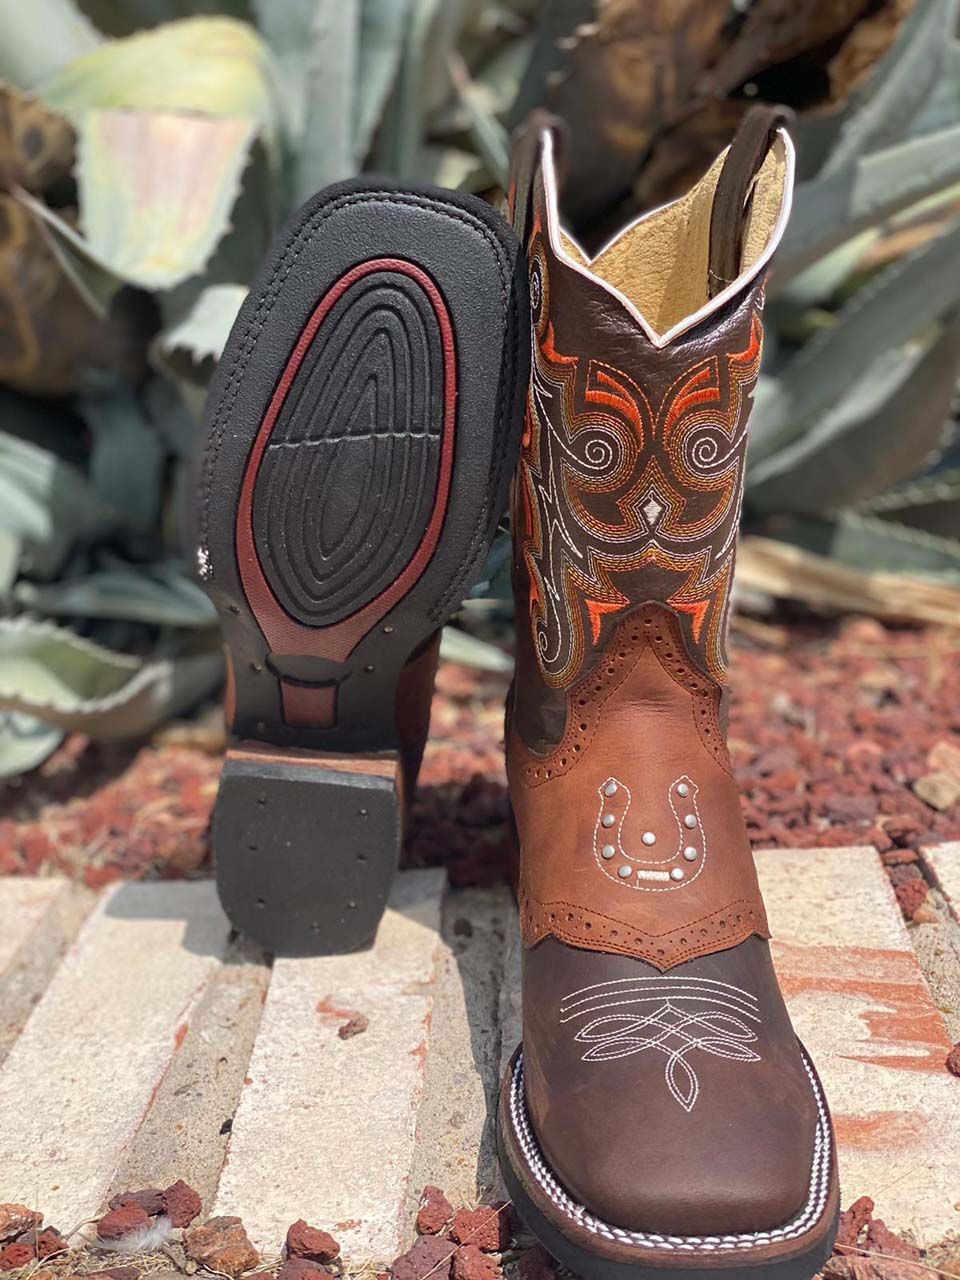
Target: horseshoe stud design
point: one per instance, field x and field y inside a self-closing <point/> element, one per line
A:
<point x="638" y="867"/>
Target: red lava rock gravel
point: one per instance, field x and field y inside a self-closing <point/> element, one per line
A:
<point x="355" y="1026"/>
<point x="430" y="1255"/>
<point x="434" y="1213"/>
<point x="866" y="1249"/>
<point x="832" y="725"/>
<point x="221" y="1244"/>
<point x="537" y="1264"/>
<point x="14" y="1256"/>
<point x="44" y="1243"/>
<point x="15" y="1219"/>
<point x="149" y="1200"/>
<point x="121" y="1222"/>
<point x="304" y="1241"/>
<point x="953" y="1060"/>
<point x="486" y="1227"/>
<point x="301" y="1269"/>
<point x="180" y="1203"/>
<point x="471" y="1263"/>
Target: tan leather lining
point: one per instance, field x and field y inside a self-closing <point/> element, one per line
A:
<point x="660" y="262"/>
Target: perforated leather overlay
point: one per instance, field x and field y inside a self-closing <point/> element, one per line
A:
<point x="716" y="931"/>
<point x="651" y="626"/>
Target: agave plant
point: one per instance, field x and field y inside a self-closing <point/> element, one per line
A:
<point x="852" y="497"/>
<point x="149" y="148"/>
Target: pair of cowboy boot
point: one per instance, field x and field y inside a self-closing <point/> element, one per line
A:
<point x="399" y="350"/>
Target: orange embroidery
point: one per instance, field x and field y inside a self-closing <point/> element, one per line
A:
<point x="612" y="484"/>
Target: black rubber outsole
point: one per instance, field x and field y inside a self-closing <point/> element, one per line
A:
<point x="360" y="435"/>
<point x="593" y="1266"/>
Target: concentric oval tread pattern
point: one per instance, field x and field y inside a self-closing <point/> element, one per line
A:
<point x="348" y="480"/>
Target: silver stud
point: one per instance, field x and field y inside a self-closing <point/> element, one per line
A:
<point x="608" y="820"/>
<point x="690" y="853"/>
<point x="607" y="851"/>
<point x="683" y="789"/>
<point x="676" y="873"/>
<point x="624" y="872"/>
<point x="649" y="838"/>
<point x="610" y="789"/>
<point x="690" y="821"/>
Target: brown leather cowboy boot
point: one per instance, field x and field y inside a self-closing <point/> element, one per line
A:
<point x="661" y="1113"/>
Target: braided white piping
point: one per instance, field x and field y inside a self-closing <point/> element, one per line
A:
<point x="809" y="1214"/>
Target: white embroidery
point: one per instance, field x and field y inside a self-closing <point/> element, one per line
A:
<point x="674" y="1016"/>
<point x="649" y="875"/>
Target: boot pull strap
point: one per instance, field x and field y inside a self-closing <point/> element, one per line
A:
<point x="524" y="161"/>
<point x="734" y="193"/>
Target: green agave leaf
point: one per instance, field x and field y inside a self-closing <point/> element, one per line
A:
<point x="496" y="82"/>
<point x="127" y="458"/>
<point x="382" y="27"/>
<point x="90" y="276"/>
<point x="488" y="135"/>
<point x="41" y="37"/>
<point x="11" y="550"/>
<point x="451" y="167"/>
<point x="25" y="742"/>
<point x="210" y="66"/>
<point x="866" y="543"/>
<point x="899" y="85"/>
<point x="819" y="282"/>
<point x="432" y="33"/>
<point x="201" y="334"/>
<point x="287" y="29"/>
<point x="498" y="79"/>
<point x="315" y="42"/>
<point x="831" y="210"/>
<point x="882" y="431"/>
<point x="46" y="504"/>
<point x="932" y="504"/>
<point x="469" y="651"/>
<point x="157" y="231"/>
<point x="942" y="486"/>
<point x="157" y="594"/>
<point x="172" y="418"/>
<point x="883" y="315"/>
<point x="326" y="149"/>
<point x="68" y="682"/>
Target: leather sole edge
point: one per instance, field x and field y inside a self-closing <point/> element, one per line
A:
<point x="616" y="1254"/>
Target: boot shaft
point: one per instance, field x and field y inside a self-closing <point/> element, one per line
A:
<point x="644" y="362"/>
<point x="626" y="507"/>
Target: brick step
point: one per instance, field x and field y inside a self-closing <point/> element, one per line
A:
<point x="162" y="1049"/>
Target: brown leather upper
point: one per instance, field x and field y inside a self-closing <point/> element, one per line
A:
<point x="625" y="509"/>
<point x="663" y="1088"/>
<point x="643" y="751"/>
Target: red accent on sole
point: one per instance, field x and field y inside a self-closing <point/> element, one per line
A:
<point x="285" y="635"/>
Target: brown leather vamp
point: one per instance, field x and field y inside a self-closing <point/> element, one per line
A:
<point x="632" y="837"/>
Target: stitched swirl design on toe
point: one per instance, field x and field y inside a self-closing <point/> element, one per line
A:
<point x="669" y="1015"/>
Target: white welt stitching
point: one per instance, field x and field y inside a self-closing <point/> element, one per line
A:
<point x="813" y="1209"/>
